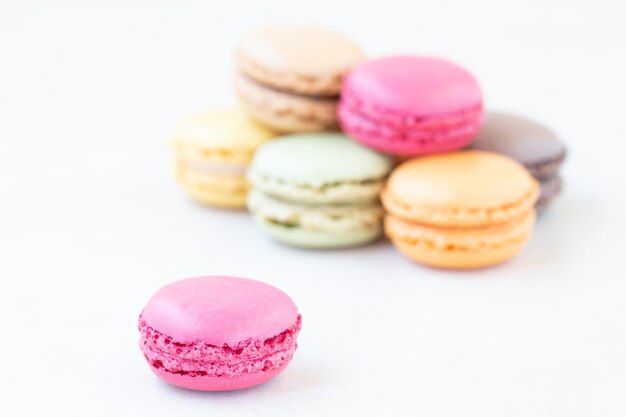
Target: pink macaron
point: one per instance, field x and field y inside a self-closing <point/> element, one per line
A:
<point x="218" y="333"/>
<point x="411" y="105"/>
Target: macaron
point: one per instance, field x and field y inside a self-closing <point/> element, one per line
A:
<point x="460" y="210"/>
<point x="289" y="77"/>
<point x="411" y="105"/>
<point x="534" y="145"/>
<point x="318" y="190"/>
<point x="218" y="333"/>
<point x="212" y="152"/>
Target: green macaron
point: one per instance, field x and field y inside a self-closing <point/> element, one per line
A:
<point x="318" y="190"/>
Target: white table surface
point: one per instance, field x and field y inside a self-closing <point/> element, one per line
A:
<point x="92" y="223"/>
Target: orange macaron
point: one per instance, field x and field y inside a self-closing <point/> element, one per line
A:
<point x="460" y="210"/>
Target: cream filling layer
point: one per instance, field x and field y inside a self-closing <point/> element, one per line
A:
<point x="212" y="176"/>
<point x="320" y="110"/>
<point x="366" y="191"/>
<point x="214" y="168"/>
<point x="187" y="150"/>
<point x="460" y="217"/>
<point x="330" y="218"/>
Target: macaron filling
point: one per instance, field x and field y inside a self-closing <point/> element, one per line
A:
<point x="279" y="103"/>
<point x="215" y="168"/>
<point x="381" y="136"/>
<point x="217" y="155"/>
<point x="334" y="219"/>
<point x="461" y="216"/>
<point x="377" y="113"/>
<point x="335" y="192"/>
<point x="399" y="133"/>
<point x="200" y="359"/>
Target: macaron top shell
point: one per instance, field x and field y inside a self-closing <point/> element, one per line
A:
<point x="317" y="159"/>
<point x="219" y="310"/>
<point x="413" y="86"/>
<point x="468" y="188"/>
<point x="227" y="129"/>
<point x="522" y="139"/>
<point x="295" y="53"/>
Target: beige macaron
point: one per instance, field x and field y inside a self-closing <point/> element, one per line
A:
<point x="289" y="77"/>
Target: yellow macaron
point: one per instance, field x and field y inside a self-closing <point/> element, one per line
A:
<point x="212" y="152"/>
<point x="467" y="209"/>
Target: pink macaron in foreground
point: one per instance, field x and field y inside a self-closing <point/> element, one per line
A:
<point x="411" y="105"/>
<point x="218" y="333"/>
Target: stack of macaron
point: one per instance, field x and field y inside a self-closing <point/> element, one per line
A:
<point x="310" y="152"/>
<point x="463" y="194"/>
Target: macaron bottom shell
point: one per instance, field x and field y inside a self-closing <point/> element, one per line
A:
<point x="452" y="259"/>
<point x="463" y="248"/>
<point x="316" y="239"/>
<point x="550" y="189"/>
<point x="217" y="189"/>
<point x="217" y="198"/>
<point x="222" y="383"/>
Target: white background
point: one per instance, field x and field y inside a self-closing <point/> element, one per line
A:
<point x="92" y="223"/>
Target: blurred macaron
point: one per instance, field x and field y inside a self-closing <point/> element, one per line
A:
<point x="532" y="144"/>
<point x="460" y="210"/>
<point x="289" y="77"/>
<point x="212" y="152"/>
<point x="318" y="190"/>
